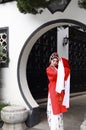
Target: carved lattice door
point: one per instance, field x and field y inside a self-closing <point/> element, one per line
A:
<point x="38" y="60"/>
<point x="77" y="56"/>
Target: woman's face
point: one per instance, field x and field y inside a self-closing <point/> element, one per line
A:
<point x="54" y="62"/>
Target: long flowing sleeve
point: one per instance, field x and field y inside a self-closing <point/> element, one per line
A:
<point x="60" y="78"/>
<point x="63" y="81"/>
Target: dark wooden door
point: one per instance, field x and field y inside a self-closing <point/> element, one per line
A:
<point x="38" y="60"/>
<point x="77" y="57"/>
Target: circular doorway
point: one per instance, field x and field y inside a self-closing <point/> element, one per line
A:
<point x="26" y="50"/>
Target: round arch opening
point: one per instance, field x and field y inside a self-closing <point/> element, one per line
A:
<point x="22" y="63"/>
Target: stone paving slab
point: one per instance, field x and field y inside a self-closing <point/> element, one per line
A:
<point x="72" y="119"/>
<point x="32" y="129"/>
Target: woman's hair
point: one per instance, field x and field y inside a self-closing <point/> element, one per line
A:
<point x="53" y="55"/>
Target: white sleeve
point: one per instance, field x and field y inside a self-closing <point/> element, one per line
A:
<point x="60" y="77"/>
<point x="67" y="93"/>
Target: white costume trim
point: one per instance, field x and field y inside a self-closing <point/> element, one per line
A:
<point x="67" y="93"/>
<point x="61" y="84"/>
<point x="55" y="121"/>
<point x="60" y="77"/>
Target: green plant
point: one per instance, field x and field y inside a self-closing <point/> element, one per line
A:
<point x="2" y="105"/>
<point x="3" y="55"/>
<point x="32" y="6"/>
<point x="82" y="4"/>
<point x="0" y="52"/>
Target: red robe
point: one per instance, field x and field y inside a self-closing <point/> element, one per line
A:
<point x="56" y="98"/>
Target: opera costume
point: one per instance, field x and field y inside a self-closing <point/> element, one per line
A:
<point x="58" y="93"/>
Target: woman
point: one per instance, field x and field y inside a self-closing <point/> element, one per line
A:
<point x="55" y="106"/>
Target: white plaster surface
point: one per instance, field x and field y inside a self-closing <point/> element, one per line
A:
<point x="21" y="26"/>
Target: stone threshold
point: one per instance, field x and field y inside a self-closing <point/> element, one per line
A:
<point x="44" y="100"/>
<point x="77" y="94"/>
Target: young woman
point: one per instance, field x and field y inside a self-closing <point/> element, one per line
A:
<point x="55" y="106"/>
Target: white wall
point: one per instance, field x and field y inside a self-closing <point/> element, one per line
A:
<point x="20" y="28"/>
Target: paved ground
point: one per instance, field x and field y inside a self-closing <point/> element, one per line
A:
<point x="72" y="119"/>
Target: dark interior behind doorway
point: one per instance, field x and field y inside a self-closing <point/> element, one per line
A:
<point x="38" y="60"/>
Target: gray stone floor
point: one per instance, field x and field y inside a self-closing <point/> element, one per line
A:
<point x="72" y="119"/>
